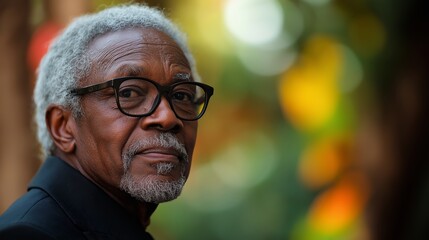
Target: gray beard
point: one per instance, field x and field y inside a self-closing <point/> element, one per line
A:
<point x="150" y="188"/>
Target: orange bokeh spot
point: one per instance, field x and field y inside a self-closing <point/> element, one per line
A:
<point x="323" y="161"/>
<point x="339" y="206"/>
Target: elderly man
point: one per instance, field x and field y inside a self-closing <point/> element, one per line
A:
<point x="117" y="99"/>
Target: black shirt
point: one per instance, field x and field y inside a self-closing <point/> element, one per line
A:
<point x="61" y="203"/>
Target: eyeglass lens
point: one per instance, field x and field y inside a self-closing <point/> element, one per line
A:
<point x="138" y="97"/>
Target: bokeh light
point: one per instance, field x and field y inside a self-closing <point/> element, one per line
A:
<point x="207" y="192"/>
<point x="309" y="90"/>
<point x="247" y="164"/>
<point x="338" y="207"/>
<point x="266" y="62"/>
<point x="254" y="22"/>
<point x="352" y="73"/>
<point x="324" y="161"/>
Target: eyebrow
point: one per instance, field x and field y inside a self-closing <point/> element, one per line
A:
<point x="185" y="77"/>
<point x="130" y="70"/>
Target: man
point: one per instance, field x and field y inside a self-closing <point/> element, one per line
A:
<point x="117" y="99"/>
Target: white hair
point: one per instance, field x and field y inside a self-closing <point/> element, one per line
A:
<point x="66" y="62"/>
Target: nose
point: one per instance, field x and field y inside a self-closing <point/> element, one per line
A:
<point x="163" y="118"/>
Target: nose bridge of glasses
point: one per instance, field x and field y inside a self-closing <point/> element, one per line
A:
<point x="164" y="90"/>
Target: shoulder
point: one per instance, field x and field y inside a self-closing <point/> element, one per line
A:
<point x="34" y="206"/>
<point x="22" y="230"/>
<point x="35" y="214"/>
<point x="25" y="206"/>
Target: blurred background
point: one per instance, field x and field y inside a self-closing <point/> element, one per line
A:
<point x="317" y="129"/>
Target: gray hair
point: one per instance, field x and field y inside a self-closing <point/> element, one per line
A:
<point x="66" y="62"/>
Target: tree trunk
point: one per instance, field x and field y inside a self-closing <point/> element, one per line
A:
<point x="18" y="154"/>
<point x="399" y="206"/>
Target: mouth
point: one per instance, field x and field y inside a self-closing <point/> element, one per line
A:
<point x="162" y="148"/>
<point x="161" y="155"/>
<point x="163" y="161"/>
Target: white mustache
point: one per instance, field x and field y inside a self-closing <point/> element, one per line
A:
<point x="163" y="140"/>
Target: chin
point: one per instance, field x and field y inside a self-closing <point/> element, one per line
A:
<point x="154" y="189"/>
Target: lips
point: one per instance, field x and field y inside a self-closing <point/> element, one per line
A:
<point x="161" y="154"/>
<point x="163" y="147"/>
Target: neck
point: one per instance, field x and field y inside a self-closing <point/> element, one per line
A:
<point x="142" y="210"/>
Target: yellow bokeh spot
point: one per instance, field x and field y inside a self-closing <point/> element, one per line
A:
<point x="203" y="23"/>
<point x="324" y="56"/>
<point x="309" y="90"/>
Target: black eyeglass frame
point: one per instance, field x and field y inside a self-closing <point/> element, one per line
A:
<point x="162" y="91"/>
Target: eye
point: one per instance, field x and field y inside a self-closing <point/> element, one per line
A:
<point x="182" y="96"/>
<point x="130" y="92"/>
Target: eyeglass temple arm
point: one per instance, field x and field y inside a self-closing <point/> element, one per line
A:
<point x="90" y="89"/>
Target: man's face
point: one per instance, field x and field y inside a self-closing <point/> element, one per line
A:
<point x="147" y="157"/>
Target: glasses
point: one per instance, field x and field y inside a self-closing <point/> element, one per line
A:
<point x="139" y="97"/>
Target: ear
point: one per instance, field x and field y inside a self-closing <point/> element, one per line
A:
<point x="61" y="125"/>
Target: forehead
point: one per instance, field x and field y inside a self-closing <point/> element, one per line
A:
<point x="138" y="47"/>
<point x="145" y="35"/>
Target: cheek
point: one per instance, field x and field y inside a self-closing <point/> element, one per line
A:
<point x="108" y="126"/>
<point x="104" y="135"/>
<point x="111" y="136"/>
